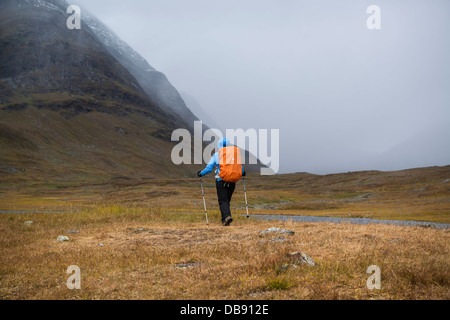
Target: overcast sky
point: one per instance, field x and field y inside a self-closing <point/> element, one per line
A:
<point x="344" y="97"/>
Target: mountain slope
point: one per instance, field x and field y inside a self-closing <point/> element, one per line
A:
<point x="69" y="110"/>
<point x="154" y="83"/>
<point x="199" y="111"/>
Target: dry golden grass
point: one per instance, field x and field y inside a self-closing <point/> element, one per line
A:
<point x="233" y="262"/>
<point x="421" y="194"/>
<point x="227" y="263"/>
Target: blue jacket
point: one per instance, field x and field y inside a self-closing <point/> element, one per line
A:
<point x="214" y="162"/>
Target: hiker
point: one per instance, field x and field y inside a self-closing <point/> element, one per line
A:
<point x="232" y="171"/>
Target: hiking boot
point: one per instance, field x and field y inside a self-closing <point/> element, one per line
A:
<point x="227" y="221"/>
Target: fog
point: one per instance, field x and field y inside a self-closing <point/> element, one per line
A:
<point x="345" y="98"/>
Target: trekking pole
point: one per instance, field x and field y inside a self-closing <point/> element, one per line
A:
<point x="204" y="202"/>
<point x="245" y="194"/>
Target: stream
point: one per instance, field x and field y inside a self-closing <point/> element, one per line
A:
<point x="278" y="217"/>
<point x="269" y="217"/>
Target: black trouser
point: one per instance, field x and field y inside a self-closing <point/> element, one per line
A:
<point x="224" y="192"/>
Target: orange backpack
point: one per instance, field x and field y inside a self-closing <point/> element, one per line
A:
<point x="230" y="164"/>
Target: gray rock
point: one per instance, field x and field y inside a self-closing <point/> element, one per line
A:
<point x="63" y="238"/>
<point x="187" y="265"/>
<point x="275" y="239"/>
<point x="72" y="231"/>
<point x="285" y="267"/>
<point x="28" y="223"/>
<point x="278" y="230"/>
<point x="300" y="257"/>
<point x="137" y="230"/>
<point x="101" y="245"/>
<point x="426" y="225"/>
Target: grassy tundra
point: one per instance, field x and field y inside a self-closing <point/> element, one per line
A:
<point x="149" y="239"/>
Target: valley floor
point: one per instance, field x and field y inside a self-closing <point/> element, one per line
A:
<point x="144" y="253"/>
<point x="135" y="239"/>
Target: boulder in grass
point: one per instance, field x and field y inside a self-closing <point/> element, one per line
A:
<point x="275" y="239"/>
<point x="28" y="223"/>
<point x="137" y="230"/>
<point x="300" y="257"/>
<point x="278" y="230"/>
<point x="63" y="238"/>
<point x="285" y="267"/>
<point x="187" y="265"/>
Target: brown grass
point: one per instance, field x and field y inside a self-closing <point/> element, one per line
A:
<point x="228" y="262"/>
<point x="421" y="194"/>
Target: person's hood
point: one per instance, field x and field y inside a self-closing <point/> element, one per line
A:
<point x="223" y="142"/>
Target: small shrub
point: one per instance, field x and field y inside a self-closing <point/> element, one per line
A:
<point x="279" y="284"/>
